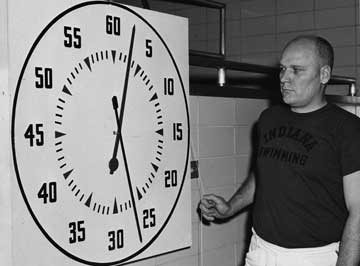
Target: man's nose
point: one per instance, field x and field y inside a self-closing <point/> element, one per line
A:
<point x="284" y="75"/>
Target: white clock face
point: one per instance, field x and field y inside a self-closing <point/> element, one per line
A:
<point x="100" y="132"/>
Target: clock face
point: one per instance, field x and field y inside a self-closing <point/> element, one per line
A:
<point x="100" y="133"/>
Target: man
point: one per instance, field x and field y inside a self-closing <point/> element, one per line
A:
<point x="305" y="189"/>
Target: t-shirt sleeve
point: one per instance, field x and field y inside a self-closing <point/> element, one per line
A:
<point x="350" y="145"/>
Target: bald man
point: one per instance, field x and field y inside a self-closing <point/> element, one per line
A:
<point x="305" y="188"/>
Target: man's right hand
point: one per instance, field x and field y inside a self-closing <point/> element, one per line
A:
<point x="214" y="207"/>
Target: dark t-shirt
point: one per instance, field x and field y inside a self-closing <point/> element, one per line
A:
<point x="301" y="161"/>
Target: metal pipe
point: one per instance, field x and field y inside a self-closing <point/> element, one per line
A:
<point x="222" y="31"/>
<point x="221" y="77"/>
<point x="352" y="90"/>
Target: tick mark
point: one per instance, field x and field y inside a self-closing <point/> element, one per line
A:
<point x="67" y="174"/>
<point x="88" y="201"/>
<point x="87" y="62"/>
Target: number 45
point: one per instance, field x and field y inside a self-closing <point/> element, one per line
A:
<point x="32" y="131"/>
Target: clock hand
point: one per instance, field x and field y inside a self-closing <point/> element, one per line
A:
<point x="130" y="188"/>
<point x="114" y="163"/>
<point x="127" y="76"/>
<point x="116" y="106"/>
<point x="119" y="121"/>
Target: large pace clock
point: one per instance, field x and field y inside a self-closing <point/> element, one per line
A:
<point x="100" y="133"/>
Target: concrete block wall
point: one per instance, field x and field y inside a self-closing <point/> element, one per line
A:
<point x="221" y="141"/>
<point x="221" y="127"/>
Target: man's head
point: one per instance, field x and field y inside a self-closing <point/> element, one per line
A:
<point x="305" y="68"/>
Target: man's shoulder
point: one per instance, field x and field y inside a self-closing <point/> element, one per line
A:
<point x="337" y="112"/>
<point x="274" y="110"/>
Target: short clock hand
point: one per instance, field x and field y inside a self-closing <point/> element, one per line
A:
<point x="114" y="163"/>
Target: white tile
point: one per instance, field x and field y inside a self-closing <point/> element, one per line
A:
<point x="265" y="59"/>
<point x="357" y="34"/>
<point x="321" y="4"/>
<point x="212" y="15"/>
<point x="295" y="22"/>
<point x="216" y="111"/>
<point x="188" y="261"/>
<point x="218" y="235"/>
<point x="218" y="171"/>
<point x="344" y="36"/>
<point x="242" y="168"/>
<point x="248" y="110"/>
<point x="344" y="71"/>
<point x="243" y="225"/>
<point x="258" y="26"/>
<point x="241" y="249"/>
<point x="233" y="28"/>
<point x="243" y="140"/>
<point x="216" y="141"/>
<point x="257" y="8"/>
<point x="335" y="17"/>
<point x="213" y="46"/>
<point x="196" y="15"/>
<point x="257" y="44"/>
<point x="198" y="45"/>
<point x="195" y="199"/>
<point x="233" y="46"/>
<point x="194" y="142"/>
<point x="233" y="10"/>
<point x="198" y="32"/>
<point x="337" y="89"/>
<point x="213" y="31"/>
<point x="284" y="6"/>
<point x="345" y="56"/>
<point x="224" y="256"/>
<point x="194" y="109"/>
<point x="225" y="191"/>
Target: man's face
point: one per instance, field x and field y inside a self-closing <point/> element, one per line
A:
<point x="300" y="77"/>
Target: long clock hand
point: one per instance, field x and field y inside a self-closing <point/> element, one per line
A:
<point x="123" y="99"/>
<point x="120" y="126"/>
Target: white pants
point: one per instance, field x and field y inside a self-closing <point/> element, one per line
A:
<point x="263" y="253"/>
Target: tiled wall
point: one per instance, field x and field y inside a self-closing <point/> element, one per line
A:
<point x="221" y="127"/>
<point x="221" y="141"/>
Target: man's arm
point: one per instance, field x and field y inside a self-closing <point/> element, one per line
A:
<point x="213" y="206"/>
<point x="244" y="196"/>
<point x="349" y="254"/>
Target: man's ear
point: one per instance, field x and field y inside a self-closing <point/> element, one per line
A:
<point x="325" y="74"/>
